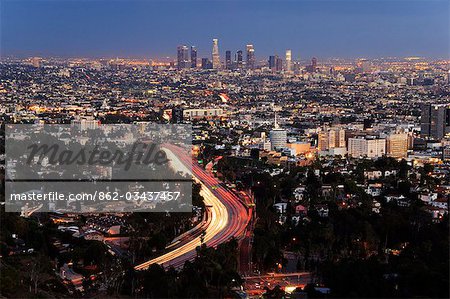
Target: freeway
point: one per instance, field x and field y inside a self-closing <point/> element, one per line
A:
<point x="228" y="217"/>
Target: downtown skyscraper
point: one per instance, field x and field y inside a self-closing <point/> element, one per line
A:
<point x="434" y="120"/>
<point x="275" y="63"/>
<point x="251" y="61"/>
<point x="239" y="59"/>
<point x="228" y="62"/>
<point x="288" y="60"/>
<point x="272" y="61"/>
<point x="193" y="57"/>
<point x="182" y="57"/>
<point x="215" y="54"/>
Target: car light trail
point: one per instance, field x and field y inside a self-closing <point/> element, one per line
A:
<point x="228" y="217"/>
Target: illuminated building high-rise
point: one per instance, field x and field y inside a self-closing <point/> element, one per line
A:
<point x="182" y="57"/>
<point x="215" y="54"/>
<point x="239" y="59"/>
<point x="228" y="62"/>
<point x="329" y="138"/>
<point x="288" y="60"/>
<point x="250" y="57"/>
<point x="193" y="57"/>
<point x="397" y="145"/>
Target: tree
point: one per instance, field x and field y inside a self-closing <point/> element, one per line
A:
<point x="156" y="282"/>
<point x="313" y="186"/>
<point x="39" y="267"/>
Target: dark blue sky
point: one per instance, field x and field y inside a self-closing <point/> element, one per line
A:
<point x="335" y="28"/>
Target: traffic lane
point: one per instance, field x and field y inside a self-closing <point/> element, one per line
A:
<point x="238" y="221"/>
<point x="177" y="257"/>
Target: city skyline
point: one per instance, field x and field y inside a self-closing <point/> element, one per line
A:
<point x="344" y="29"/>
<point x="224" y="149"/>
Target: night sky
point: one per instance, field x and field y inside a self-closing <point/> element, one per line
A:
<point x="150" y="29"/>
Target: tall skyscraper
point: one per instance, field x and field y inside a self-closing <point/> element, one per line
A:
<point x="279" y="64"/>
<point x="435" y="121"/>
<point x="273" y="62"/>
<point x="215" y="54"/>
<point x="228" y="62"/>
<point x="193" y="57"/>
<point x="288" y="61"/>
<point x="182" y="57"/>
<point x="251" y="61"/>
<point x="239" y="59"/>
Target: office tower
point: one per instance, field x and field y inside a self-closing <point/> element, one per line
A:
<point x="277" y="136"/>
<point x="366" y="147"/>
<point x="331" y="138"/>
<point x="435" y="120"/>
<point x="228" y="63"/>
<point x="206" y="64"/>
<point x="239" y="59"/>
<point x="193" y="57"/>
<point x="251" y="61"/>
<point x="279" y="64"/>
<point x="273" y="62"/>
<point x="182" y="57"/>
<point x="215" y="54"/>
<point x="397" y="145"/>
<point x="288" y="61"/>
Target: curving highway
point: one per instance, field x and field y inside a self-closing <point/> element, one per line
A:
<point x="227" y="217"/>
